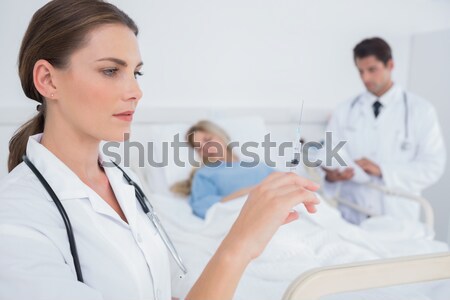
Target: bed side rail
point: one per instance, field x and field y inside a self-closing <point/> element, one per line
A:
<point x="361" y="276"/>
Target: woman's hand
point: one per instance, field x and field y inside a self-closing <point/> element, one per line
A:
<point x="269" y="206"/>
<point x="237" y="194"/>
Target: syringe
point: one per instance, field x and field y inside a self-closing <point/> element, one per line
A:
<point x="297" y="144"/>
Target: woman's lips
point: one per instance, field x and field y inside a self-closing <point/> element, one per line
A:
<point x="125" y="116"/>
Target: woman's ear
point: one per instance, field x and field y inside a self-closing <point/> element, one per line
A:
<point x="43" y="78"/>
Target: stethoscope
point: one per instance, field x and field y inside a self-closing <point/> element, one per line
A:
<point x="406" y="144"/>
<point x="143" y="201"/>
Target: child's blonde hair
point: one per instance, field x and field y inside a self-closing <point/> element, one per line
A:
<point x="184" y="187"/>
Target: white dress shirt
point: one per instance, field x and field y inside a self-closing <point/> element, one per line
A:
<point x="118" y="260"/>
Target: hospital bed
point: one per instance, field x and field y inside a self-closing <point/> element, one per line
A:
<point x="335" y="199"/>
<point x="320" y="282"/>
<point x="269" y="280"/>
<point x="153" y="124"/>
<point x="317" y="282"/>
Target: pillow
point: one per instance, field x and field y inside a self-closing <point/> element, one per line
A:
<point x="244" y="130"/>
<point x="157" y="138"/>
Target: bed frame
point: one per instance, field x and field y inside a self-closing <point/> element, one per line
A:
<point x="320" y="282"/>
<point x="360" y="276"/>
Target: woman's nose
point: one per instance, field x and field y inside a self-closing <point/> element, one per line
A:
<point x="134" y="92"/>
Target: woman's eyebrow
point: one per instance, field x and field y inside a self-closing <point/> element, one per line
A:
<point x="118" y="61"/>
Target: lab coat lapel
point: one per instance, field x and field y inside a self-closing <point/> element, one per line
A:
<point x="124" y="193"/>
<point x="359" y="140"/>
<point x="63" y="181"/>
<point x="389" y="100"/>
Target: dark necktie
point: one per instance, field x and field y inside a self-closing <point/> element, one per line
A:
<point x="376" y="108"/>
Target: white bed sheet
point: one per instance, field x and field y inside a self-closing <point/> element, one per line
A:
<point x="317" y="240"/>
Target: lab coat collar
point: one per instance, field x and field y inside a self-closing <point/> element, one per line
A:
<point x="64" y="182"/>
<point x="67" y="185"/>
<point x="390" y="97"/>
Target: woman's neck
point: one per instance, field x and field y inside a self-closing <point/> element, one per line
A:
<point x="78" y="151"/>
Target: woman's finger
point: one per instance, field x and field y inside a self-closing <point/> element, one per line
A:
<point x="272" y="176"/>
<point x="311" y="207"/>
<point x="298" y="196"/>
<point x="285" y="189"/>
<point x="294" y="179"/>
<point x="293" y="215"/>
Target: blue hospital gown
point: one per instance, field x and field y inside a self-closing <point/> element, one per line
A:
<point x="211" y="183"/>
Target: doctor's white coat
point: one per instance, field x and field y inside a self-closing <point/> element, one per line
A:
<point x="380" y="140"/>
<point x="118" y="260"/>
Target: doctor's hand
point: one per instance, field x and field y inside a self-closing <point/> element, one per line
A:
<point x="369" y="167"/>
<point x="268" y="206"/>
<point x="336" y="175"/>
<point x="237" y="194"/>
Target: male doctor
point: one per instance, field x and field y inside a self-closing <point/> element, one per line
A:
<point x="393" y="139"/>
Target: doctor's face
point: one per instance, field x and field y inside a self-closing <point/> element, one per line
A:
<point x="375" y="75"/>
<point x="98" y="92"/>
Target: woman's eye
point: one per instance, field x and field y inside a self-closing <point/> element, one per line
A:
<point x="138" y="73"/>
<point x="110" y="72"/>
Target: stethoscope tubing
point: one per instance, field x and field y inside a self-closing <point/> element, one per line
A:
<point x="65" y="217"/>
<point x="406" y="118"/>
<point x="140" y="196"/>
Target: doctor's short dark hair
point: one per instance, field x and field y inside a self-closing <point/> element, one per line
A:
<point x="373" y="46"/>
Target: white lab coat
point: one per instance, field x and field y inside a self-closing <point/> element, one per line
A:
<point x="380" y="140"/>
<point x="118" y="260"/>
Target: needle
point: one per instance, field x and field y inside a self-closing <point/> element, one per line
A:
<point x="296" y="160"/>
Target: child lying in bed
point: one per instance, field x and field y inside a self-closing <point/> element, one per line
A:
<point x="222" y="177"/>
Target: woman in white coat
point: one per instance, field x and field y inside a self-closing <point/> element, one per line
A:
<point x="79" y="59"/>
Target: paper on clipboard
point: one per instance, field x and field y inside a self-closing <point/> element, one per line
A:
<point x="360" y="175"/>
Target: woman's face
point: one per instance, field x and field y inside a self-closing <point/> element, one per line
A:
<point x="98" y="92"/>
<point x="209" y="146"/>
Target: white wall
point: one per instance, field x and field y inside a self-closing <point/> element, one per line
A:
<point x="430" y="57"/>
<point x="246" y="53"/>
<point x="257" y="52"/>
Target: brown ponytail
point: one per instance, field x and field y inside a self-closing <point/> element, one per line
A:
<point x="18" y="143"/>
<point x="56" y="30"/>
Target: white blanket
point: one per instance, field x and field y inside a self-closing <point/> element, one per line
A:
<point x="315" y="240"/>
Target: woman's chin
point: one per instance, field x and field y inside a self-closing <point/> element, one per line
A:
<point x="118" y="136"/>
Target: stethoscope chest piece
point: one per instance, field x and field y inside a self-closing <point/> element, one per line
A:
<point x="405" y="146"/>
